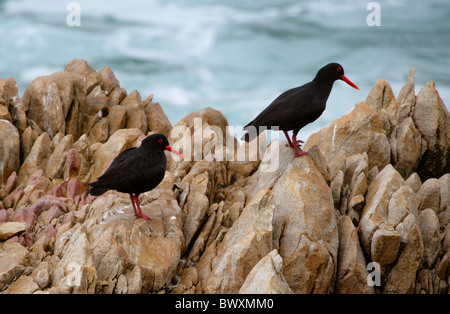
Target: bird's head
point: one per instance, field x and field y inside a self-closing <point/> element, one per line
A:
<point x="334" y="71"/>
<point x="159" y="141"/>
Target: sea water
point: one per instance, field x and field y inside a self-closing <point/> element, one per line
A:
<point x="232" y="55"/>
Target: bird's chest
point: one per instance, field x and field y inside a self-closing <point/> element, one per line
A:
<point x="150" y="173"/>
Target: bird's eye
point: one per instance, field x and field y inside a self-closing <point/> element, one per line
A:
<point x="160" y="140"/>
<point x="339" y="69"/>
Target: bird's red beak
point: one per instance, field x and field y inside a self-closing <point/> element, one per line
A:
<point x="346" y="80"/>
<point x="170" y="149"/>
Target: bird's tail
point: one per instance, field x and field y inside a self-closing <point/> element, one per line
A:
<point x="252" y="133"/>
<point x="96" y="190"/>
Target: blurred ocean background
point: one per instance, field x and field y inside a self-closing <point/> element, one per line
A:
<point x="233" y="55"/>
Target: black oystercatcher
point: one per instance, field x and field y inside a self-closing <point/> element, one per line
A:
<point x="299" y="106"/>
<point x="135" y="171"/>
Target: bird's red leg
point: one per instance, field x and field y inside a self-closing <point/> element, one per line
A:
<point x="297" y="153"/>
<point x="132" y="202"/>
<point x="140" y="213"/>
<point x="288" y="138"/>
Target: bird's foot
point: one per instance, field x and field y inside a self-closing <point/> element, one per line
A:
<point x="298" y="142"/>
<point x="144" y="216"/>
<point x="300" y="153"/>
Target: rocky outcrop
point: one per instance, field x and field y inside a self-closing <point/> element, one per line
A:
<point x="366" y="211"/>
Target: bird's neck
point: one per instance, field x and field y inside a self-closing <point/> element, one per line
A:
<point x="323" y="85"/>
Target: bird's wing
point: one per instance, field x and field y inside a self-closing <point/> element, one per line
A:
<point x="131" y="169"/>
<point x="116" y="169"/>
<point x="282" y="110"/>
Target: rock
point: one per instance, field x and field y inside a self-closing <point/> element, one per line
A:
<point x="8" y="90"/>
<point x="428" y="282"/>
<point x="25" y="215"/>
<point x="188" y="281"/>
<point x="99" y="132"/>
<point x="402" y="274"/>
<point x="11" y="200"/>
<point x="319" y="161"/>
<point x="375" y="211"/>
<point x="235" y="217"/>
<point x="414" y="182"/>
<point x="4" y="114"/>
<point x="12" y="228"/>
<point x="96" y="101"/>
<point x="29" y="136"/>
<point x="194" y="122"/>
<point x="428" y="195"/>
<point x="382" y="100"/>
<point x="37" y="158"/>
<point x="10" y="269"/>
<point x="408" y="147"/>
<point x="354" y="185"/>
<point x="136" y="117"/>
<point x="75" y="188"/>
<point x="406" y="98"/>
<point x="385" y="246"/>
<point x="444" y="185"/>
<point x="3" y="215"/>
<point x="83" y="69"/>
<point x="108" y="80"/>
<point x="117" y="95"/>
<point x="10" y="184"/>
<point x="358" y="131"/>
<point x="56" y="161"/>
<point x="72" y="273"/>
<point x="17" y="252"/>
<point x="352" y="272"/>
<point x="23" y="285"/>
<point x="433" y="122"/>
<point x="266" y="277"/>
<point x="261" y="179"/>
<point x="112" y="244"/>
<point x="225" y="266"/>
<point x="46" y="202"/>
<point x="336" y="187"/>
<point x="156" y="118"/>
<point x="53" y="212"/>
<point x="47" y="101"/>
<point x="41" y="275"/>
<point x="117" y="118"/>
<point x="197" y="204"/>
<point x="390" y="211"/>
<point x="10" y="148"/>
<point x="401" y="204"/>
<point x="429" y="228"/>
<point x="76" y="166"/>
<point x="305" y="228"/>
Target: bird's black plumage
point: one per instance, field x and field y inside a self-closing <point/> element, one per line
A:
<point x="135" y="170"/>
<point x="297" y="107"/>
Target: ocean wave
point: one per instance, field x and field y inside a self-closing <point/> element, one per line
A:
<point x="231" y="55"/>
